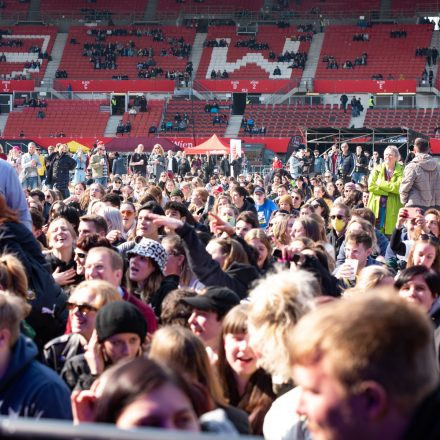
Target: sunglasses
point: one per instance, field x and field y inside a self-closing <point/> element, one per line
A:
<point x="128" y="213"/>
<point x="83" y="308"/>
<point x="427" y="237"/>
<point x="339" y="217"/>
<point x="339" y="184"/>
<point x="80" y="254"/>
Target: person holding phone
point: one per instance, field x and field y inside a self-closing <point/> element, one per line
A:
<point x="119" y="333"/>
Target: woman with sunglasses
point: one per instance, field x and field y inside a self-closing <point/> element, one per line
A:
<point x="84" y="302"/>
<point x="383" y="185"/>
<point x="128" y="212"/>
<point x="321" y="208"/>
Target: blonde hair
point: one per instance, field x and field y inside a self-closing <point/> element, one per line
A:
<point x="371" y="276"/>
<point x="279" y="229"/>
<point x="370" y="337"/>
<point x="103" y="291"/>
<point x="276" y="304"/>
<point x="66" y="223"/>
<point x="158" y="148"/>
<point x="113" y="217"/>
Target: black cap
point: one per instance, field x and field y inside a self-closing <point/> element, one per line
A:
<point x="120" y="317"/>
<point x="259" y="189"/>
<point x="214" y="299"/>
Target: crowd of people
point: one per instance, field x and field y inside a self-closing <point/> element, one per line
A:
<point x="185" y="292"/>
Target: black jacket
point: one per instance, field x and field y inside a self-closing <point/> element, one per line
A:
<point x="168" y="284"/>
<point x="61" y="166"/>
<point x="248" y="205"/>
<point x="76" y="373"/>
<point x="48" y="316"/>
<point x="425" y="423"/>
<point x="238" y="277"/>
<point x="335" y="240"/>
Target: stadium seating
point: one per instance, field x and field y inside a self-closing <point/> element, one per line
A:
<point x="141" y="122"/>
<point x="285" y="120"/>
<point x="73" y="118"/>
<point x="200" y="122"/>
<point x="170" y="6"/>
<point x="278" y="40"/>
<point x="418" y="119"/>
<point x="334" y="8"/>
<point x="14" y="7"/>
<point x="16" y="57"/>
<point x="79" y="6"/>
<point x="386" y="55"/>
<point x="80" y="67"/>
<point x="412" y="7"/>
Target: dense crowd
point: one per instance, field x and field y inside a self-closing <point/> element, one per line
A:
<point x="185" y="292"/>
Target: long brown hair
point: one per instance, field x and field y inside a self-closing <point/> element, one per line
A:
<point x="151" y="284"/>
<point x="258" y="395"/>
<point x="179" y="348"/>
<point x="6" y="213"/>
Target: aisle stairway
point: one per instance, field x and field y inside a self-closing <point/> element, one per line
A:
<point x="57" y="53"/>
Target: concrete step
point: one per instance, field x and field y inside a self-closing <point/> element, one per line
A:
<point x="3" y="120"/>
<point x="234" y="125"/>
<point x="112" y="125"/>
<point x="196" y="51"/>
<point x="57" y="53"/>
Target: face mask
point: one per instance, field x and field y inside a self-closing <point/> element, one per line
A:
<point x="338" y="225"/>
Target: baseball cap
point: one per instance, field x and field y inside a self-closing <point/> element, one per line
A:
<point x="259" y="189"/>
<point x="218" y="189"/>
<point x="214" y="299"/>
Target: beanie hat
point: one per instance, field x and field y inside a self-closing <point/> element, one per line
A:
<point x="120" y="317"/>
<point x="151" y="249"/>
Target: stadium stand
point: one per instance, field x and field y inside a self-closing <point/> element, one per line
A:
<point x="285" y="120"/>
<point x="386" y="55"/>
<point x="200" y="122"/>
<point x="413" y="7"/>
<point x="244" y="62"/>
<point x="73" y="118"/>
<point x="142" y="122"/>
<point x="23" y="45"/>
<point x="210" y="6"/>
<point x="333" y="8"/>
<point x="14" y="7"/>
<point x="86" y="7"/>
<point x="424" y="120"/>
<point x="77" y="61"/>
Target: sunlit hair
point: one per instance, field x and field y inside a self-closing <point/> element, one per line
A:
<point x="66" y="224"/>
<point x="276" y="304"/>
<point x="279" y="229"/>
<point x="233" y="250"/>
<point x="217" y="202"/>
<point x="180" y="349"/>
<point x="360" y="339"/>
<point x="13" y="275"/>
<point x="259" y="234"/>
<point x="370" y="277"/>
<point x="431" y="241"/>
<point x="103" y="292"/>
<point x="113" y="217"/>
<point x="158" y="149"/>
<point x="311" y="226"/>
<point x="393" y="150"/>
<point x="367" y="227"/>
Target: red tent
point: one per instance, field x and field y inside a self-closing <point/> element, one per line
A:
<point x="214" y="145"/>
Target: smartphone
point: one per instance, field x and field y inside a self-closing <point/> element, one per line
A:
<point x="413" y="212"/>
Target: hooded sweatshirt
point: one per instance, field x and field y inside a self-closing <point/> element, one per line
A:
<point x="30" y="389"/>
<point x="421" y="182"/>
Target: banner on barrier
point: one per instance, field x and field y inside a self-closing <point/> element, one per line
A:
<point x="16" y="85"/>
<point x="115" y="85"/>
<point x="364" y="86"/>
<point x="246" y="85"/>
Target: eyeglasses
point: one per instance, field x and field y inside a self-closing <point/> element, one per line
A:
<point x="83" y="308"/>
<point x="128" y="213"/>
<point x="80" y="254"/>
<point x="338" y="216"/>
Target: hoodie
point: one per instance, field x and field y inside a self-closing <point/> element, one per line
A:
<point x="421" y="182"/>
<point x="30" y="389"/>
